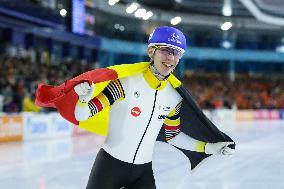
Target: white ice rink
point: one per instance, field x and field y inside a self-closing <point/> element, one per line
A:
<point x="66" y="163"/>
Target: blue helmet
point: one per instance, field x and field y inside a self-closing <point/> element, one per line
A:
<point x="168" y="36"/>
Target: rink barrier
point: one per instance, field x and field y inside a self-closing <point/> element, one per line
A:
<point x="37" y="126"/>
<point x="11" y="128"/>
<point x="40" y="126"/>
<point x="259" y="115"/>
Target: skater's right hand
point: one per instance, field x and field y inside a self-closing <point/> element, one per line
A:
<point x="84" y="91"/>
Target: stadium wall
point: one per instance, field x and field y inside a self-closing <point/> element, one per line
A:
<point x="40" y="126"/>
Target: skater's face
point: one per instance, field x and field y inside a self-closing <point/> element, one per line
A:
<point x="165" y="58"/>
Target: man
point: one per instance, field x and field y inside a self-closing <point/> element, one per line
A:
<point x="141" y="104"/>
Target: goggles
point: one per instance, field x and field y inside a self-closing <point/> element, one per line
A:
<point x="169" y="51"/>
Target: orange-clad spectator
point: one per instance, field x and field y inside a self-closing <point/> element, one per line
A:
<point x="218" y="103"/>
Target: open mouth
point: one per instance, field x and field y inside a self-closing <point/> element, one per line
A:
<point x="167" y="65"/>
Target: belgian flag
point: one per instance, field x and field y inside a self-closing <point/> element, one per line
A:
<point x="193" y="122"/>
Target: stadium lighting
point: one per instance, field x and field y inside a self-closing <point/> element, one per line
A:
<point x="226" y="26"/>
<point x="63" y="12"/>
<point x="227" y="8"/>
<point x="131" y="8"/>
<point x="121" y="28"/>
<point x="116" y="26"/>
<point x="112" y="2"/>
<point x="140" y="13"/>
<point x="280" y="49"/>
<point x="147" y="15"/>
<point x="226" y="44"/>
<point x="176" y="20"/>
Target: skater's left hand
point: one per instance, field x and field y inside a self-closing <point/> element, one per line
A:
<point x="219" y="148"/>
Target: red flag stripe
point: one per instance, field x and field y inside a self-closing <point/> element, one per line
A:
<point x="171" y="127"/>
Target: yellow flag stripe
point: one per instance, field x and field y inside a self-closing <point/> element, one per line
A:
<point x="172" y="122"/>
<point x="200" y="146"/>
<point x="103" y="100"/>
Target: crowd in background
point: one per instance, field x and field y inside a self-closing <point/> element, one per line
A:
<point x="244" y="92"/>
<point x="19" y="77"/>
